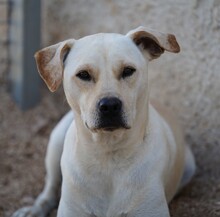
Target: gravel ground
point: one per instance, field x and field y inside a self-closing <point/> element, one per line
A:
<point x="23" y="141"/>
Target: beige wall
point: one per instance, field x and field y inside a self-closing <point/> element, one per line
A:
<point x="188" y="82"/>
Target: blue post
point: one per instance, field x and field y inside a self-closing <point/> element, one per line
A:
<point x="24" y="41"/>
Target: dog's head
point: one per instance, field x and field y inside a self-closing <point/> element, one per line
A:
<point x="104" y="75"/>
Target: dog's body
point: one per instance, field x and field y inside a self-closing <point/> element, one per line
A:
<point x="122" y="155"/>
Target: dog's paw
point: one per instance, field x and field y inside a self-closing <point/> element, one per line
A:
<point x="29" y="211"/>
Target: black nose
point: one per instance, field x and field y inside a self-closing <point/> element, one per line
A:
<point x="110" y="106"/>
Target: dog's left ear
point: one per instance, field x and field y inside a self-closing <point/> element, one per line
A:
<point x="50" y="63"/>
<point x="155" y="43"/>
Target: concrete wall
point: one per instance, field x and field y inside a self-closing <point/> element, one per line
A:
<point x="188" y="82"/>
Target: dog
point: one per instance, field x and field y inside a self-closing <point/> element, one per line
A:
<point x="116" y="153"/>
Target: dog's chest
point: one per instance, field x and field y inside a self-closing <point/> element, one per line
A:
<point x="96" y="191"/>
<point x="100" y="186"/>
<point x="102" y="191"/>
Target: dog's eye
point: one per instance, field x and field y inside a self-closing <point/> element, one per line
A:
<point x="127" y="72"/>
<point x="84" y="75"/>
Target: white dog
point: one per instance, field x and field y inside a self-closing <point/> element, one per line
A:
<point x="119" y="154"/>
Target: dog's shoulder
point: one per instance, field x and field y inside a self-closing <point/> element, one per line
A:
<point x="170" y="118"/>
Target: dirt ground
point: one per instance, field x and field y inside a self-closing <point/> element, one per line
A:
<point x="23" y="142"/>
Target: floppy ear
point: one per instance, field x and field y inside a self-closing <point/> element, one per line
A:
<point x="155" y="43"/>
<point x="50" y="63"/>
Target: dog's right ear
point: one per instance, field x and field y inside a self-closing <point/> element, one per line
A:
<point x="50" y="61"/>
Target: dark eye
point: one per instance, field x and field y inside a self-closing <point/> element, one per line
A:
<point x="127" y="72"/>
<point x="84" y="75"/>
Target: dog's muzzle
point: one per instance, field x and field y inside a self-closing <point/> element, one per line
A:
<point x="110" y="114"/>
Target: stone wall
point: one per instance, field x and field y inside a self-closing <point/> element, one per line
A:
<point x="188" y="82"/>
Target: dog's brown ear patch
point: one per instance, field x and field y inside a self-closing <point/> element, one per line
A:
<point x="50" y="63"/>
<point x="155" y="43"/>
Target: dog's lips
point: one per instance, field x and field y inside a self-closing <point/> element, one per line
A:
<point x="107" y="129"/>
<point x="114" y="128"/>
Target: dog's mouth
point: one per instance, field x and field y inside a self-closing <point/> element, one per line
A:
<point x="109" y="125"/>
<point x="113" y="128"/>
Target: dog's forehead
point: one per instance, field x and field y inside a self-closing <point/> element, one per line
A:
<point x="105" y="40"/>
<point x="104" y="49"/>
<point x="104" y="45"/>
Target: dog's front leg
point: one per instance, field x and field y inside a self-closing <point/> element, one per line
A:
<point x="155" y="209"/>
<point x="148" y="202"/>
<point x="154" y="206"/>
<point x="49" y="197"/>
